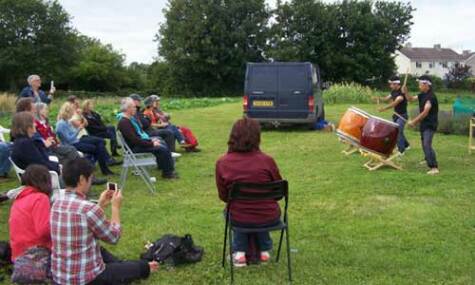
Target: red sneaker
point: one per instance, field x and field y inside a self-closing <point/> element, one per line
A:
<point x="239" y="259"/>
<point x="265" y="256"/>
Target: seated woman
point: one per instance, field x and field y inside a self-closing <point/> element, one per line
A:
<point x="244" y="162"/>
<point x="48" y="137"/>
<point x="70" y="135"/>
<point x="5" y="151"/>
<point x="161" y="120"/>
<point x="29" y="222"/>
<point x="25" y="150"/>
<point x="96" y="127"/>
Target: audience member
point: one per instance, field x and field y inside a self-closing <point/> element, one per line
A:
<point x="30" y="212"/>
<point x="245" y="162"/>
<point x="33" y="90"/>
<point x="146" y="124"/>
<point x="141" y="142"/>
<point x="48" y="137"/>
<point x="69" y="135"/>
<point x="96" y="127"/>
<point x="25" y="151"/>
<point x="78" y="225"/>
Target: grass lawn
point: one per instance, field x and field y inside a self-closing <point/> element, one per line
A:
<point x="347" y="225"/>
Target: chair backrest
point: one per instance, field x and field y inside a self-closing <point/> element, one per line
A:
<point x="275" y="190"/>
<point x="128" y="155"/>
<point x="54" y="176"/>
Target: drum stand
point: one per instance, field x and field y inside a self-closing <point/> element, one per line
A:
<point x="377" y="161"/>
<point x="351" y="148"/>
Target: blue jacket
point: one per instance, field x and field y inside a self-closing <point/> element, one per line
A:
<point x="67" y="134"/>
<point x="28" y="92"/>
<point x="26" y="152"/>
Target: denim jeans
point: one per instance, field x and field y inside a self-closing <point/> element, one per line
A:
<point x="178" y="136"/>
<point x="402" y="142"/>
<point x="5" y="164"/>
<point x="429" y="154"/>
<point x="240" y="241"/>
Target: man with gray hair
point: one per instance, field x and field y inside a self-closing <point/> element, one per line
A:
<point x="33" y="90"/>
<point x="139" y="141"/>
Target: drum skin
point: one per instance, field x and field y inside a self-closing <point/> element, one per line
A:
<point x="351" y="124"/>
<point x="379" y="136"/>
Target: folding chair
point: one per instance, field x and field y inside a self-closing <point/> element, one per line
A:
<point x="138" y="162"/>
<point x="54" y="176"/>
<point x="260" y="191"/>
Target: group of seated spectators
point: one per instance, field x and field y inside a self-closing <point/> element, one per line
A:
<point x="70" y="229"/>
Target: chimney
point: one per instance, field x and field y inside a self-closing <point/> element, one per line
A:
<point x="438" y="46"/>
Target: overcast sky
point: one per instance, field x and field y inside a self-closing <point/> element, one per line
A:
<point x="130" y="26"/>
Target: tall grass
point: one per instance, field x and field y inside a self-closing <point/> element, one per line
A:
<point x="352" y="93"/>
<point x="7" y="103"/>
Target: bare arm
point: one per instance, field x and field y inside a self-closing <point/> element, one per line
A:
<point x="422" y="115"/>
<point x="409" y="98"/>
<point x="393" y="104"/>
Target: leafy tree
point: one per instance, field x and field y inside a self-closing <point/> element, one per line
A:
<point x="100" y="67"/>
<point x="457" y="74"/>
<point x="35" y="37"/>
<point x="208" y="42"/>
<point x="350" y="40"/>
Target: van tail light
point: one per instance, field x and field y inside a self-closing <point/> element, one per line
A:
<point x="311" y="104"/>
<point x="245" y="103"/>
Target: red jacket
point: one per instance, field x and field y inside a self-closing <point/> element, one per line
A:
<point x="29" y="221"/>
<point x="256" y="167"/>
<point x="45" y="130"/>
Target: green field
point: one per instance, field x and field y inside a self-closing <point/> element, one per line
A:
<point x="347" y="225"/>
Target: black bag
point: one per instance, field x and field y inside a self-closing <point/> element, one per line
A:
<point x="173" y="250"/>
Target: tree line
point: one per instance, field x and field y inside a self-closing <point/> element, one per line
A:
<point x="204" y="45"/>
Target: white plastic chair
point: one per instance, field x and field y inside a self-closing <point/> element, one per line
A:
<point x="54" y="175"/>
<point x="3" y="131"/>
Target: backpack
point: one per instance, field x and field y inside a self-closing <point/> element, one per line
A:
<point x="173" y="250"/>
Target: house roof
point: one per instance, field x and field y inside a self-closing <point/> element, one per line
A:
<point x="468" y="56"/>
<point x="431" y="54"/>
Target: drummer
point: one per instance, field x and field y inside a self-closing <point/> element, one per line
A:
<point x="399" y="103"/>
<point x="428" y="112"/>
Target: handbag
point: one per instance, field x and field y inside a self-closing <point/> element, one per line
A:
<point x="33" y="267"/>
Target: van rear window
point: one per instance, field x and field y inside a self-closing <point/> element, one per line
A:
<point x="293" y="78"/>
<point x="263" y="78"/>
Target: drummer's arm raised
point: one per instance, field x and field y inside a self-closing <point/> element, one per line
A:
<point x="422" y="115"/>
<point x="408" y="96"/>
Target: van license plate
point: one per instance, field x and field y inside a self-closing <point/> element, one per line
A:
<point x="261" y="103"/>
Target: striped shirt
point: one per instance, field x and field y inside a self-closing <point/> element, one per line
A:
<point x="76" y="225"/>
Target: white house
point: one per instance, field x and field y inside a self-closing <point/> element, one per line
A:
<point x="469" y="59"/>
<point x="433" y="61"/>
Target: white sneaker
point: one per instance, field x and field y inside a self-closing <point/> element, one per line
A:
<point x="433" y="171"/>
<point x="407" y="148"/>
<point x="176" y="155"/>
<point x="239" y="259"/>
<point x="265" y="256"/>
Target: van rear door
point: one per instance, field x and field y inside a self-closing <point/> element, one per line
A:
<point x="295" y="88"/>
<point x="262" y="91"/>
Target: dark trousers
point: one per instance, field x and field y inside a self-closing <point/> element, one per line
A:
<point x="402" y="142"/>
<point x="165" y="134"/>
<point x="96" y="147"/>
<point x="241" y="241"/>
<point x="163" y="156"/>
<point x="109" y="134"/>
<point x="120" y="272"/>
<point x="429" y="154"/>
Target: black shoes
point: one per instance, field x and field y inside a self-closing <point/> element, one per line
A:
<point x="3" y="197"/>
<point x="172" y="175"/>
<point x="99" y="181"/>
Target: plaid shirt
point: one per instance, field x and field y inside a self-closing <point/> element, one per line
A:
<point x="75" y="225"/>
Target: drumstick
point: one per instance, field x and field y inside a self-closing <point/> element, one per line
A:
<point x="400" y="117"/>
<point x="405" y="79"/>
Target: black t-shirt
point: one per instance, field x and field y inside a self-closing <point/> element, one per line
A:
<point x="400" y="108"/>
<point x="431" y="121"/>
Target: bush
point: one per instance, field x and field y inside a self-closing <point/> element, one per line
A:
<point x="348" y="93"/>
<point x="448" y="123"/>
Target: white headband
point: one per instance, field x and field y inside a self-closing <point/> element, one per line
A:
<point x="425" y="82"/>
<point x="394" y="82"/>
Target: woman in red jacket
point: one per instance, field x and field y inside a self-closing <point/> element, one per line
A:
<point x="29" y="214"/>
<point x="244" y="162"/>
